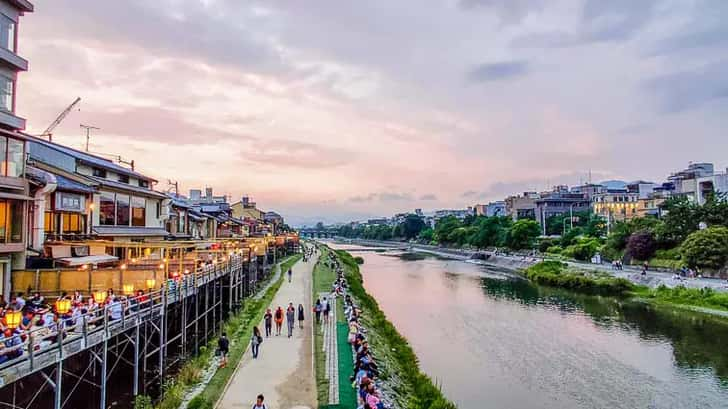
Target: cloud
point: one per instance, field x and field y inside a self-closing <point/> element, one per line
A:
<point x="690" y="89"/>
<point x="469" y="194"/>
<point x="363" y="199"/>
<point x="600" y="21"/>
<point x="428" y="197"/>
<point x="283" y="153"/>
<point x="508" y="11"/>
<point x="498" y="71"/>
<point x="382" y="197"/>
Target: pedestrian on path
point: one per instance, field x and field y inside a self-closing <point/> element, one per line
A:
<point x="327" y="309"/>
<point x="290" y="274"/>
<point x="223" y="345"/>
<point x="255" y="342"/>
<point x="300" y="316"/>
<point x="279" y="320"/>
<point x="268" y="319"/>
<point x="290" y="318"/>
<point x="259" y="403"/>
<point x="317" y="310"/>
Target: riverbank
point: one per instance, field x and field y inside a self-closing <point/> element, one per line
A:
<point x="399" y="368"/>
<point x="652" y="279"/>
<point x="238" y="327"/>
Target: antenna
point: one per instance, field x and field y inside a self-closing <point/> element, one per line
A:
<point x="88" y="129"/>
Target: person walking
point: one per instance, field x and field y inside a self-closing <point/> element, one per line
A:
<point x="259" y="403"/>
<point x="290" y="318"/>
<point x="290" y="274"/>
<point x="255" y="342"/>
<point x="268" y="320"/>
<point x="300" y="316"/>
<point x="223" y="345"/>
<point x="279" y="320"/>
<point x="327" y="309"/>
<point x="317" y="310"/>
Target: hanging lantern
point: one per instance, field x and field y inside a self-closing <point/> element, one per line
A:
<point x="151" y="283"/>
<point x="63" y="306"/>
<point x="12" y="319"/>
<point x="100" y="297"/>
<point x="123" y="266"/>
<point x="128" y="289"/>
<point x="161" y="266"/>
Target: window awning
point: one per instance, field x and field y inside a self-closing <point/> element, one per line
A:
<point x="4" y="195"/>
<point x="79" y="261"/>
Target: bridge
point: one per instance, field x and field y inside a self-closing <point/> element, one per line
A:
<point x="314" y="233"/>
<point x="138" y="342"/>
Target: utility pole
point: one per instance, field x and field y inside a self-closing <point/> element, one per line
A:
<point x="88" y="129"/>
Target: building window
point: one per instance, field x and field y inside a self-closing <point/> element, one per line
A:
<point x="122" y="210"/>
<point x="73" y="223"/>
<point x="7" y="87"/>
<point x="7" y="33"/>
<point x="124" y="178"/>
<point x="98" y="172"/>
<point x="107" y="209"/>
<point x="11" y="221"/>
<point x="144" y="183"/>
<point x="12" y="152"/>
<point x="138" y="212"/>
<point x="70" y="202"/>
<point x="49" y="223"/>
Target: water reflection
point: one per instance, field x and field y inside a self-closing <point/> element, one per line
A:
<point x="494" y="340"/>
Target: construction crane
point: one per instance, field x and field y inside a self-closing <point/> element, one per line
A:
<point x="49" y="131"/>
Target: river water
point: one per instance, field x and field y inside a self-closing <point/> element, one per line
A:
<point x="494" y="340"/>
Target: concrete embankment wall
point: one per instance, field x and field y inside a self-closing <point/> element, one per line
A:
<point x="509" y="262"/>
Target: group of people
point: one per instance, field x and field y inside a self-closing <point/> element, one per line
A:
<point x="45" y="322"/>
<point x="366" y="372"/>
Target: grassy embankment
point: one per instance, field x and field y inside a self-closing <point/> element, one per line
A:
<point x="239" y="329"/>
<point x="399" y="363"/>
<point x="323" y="277"/>
<point x="558" y="274"/>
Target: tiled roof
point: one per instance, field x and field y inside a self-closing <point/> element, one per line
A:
<point x="130" y="231"/>
<point x="65" y="183"/>
<point x="89" y="158"/>
<point x="126" y="186"/>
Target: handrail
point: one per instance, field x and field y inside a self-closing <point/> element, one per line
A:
<point x="40" y="340"/>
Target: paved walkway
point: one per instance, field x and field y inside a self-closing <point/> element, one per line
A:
<point x="283" y="372"/>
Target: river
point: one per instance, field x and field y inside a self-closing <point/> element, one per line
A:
<point x="494" y="340"/>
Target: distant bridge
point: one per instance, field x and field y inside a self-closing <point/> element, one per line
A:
<point x="314" y="233"/>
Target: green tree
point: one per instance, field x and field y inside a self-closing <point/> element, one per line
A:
<point x="427" y="235"/>
<point x="523" y="234"/>
<point x="489" y="231"/>
<point x="706" y="248"/>
<point x="412" y="226"/>
<point x="445" y="227"/>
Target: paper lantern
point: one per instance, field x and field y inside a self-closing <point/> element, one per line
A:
<point x="63" y="306"/>
<point x="100" y="297"/>
<point x="12" y="319"/>
<point x="151" y="283"/>
<point x="128" y="289"/>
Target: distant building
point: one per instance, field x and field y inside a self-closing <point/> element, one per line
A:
<point x="616" y="205"/>
<point x="559" y="202"/>
<point x="378" y="222"/>
<point x="713" y="184"/>
<point x="686" y="180"/>
<point x="459" y="214"/>
<point x="521" y="207"/>
<point x="643" y="189"/>
<point x="496" y="209"/>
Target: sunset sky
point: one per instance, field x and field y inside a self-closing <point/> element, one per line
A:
<point x="339" y="110"/>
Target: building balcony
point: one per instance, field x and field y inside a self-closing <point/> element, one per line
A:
<point x="10" y="120"/>
<point x="12" y="60"/>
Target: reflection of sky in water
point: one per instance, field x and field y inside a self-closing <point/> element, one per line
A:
<point x="495" y="342"/>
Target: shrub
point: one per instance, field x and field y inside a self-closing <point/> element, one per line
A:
<point x="706" y="248"/>
<point x="641" y="245"/>
<point x="143" y="402"/>
<point x="668" y="254"/>
<point x="359" y="260"/>
<point x="545" y="243"/>
<point x="554" y="250"/>
<point x="583" y="250"/>
<point x="554" y="274"/>
<point x="198" y="402"/>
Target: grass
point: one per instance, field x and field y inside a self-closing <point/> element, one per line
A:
<point x="557" y="274"/>
<point x="682" y="296"/>
<point x="322" y="279"/>
<point x="399" y="363"/>
<point x="239" y="329"/>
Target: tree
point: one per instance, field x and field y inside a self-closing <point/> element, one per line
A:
<point x="682" y="218"/>
<point x="489" y="231"/>
<point x="412" y="226"/>
<point x="641" y="245"/>
<point x="523" y="234"/>
<point x="319" y="226"/>
<point x="706" y="248"/>
<point x="445" y="227"/>
<point x="427" y="235"/>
